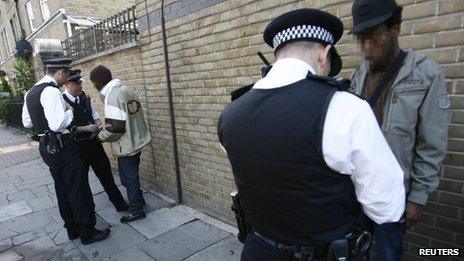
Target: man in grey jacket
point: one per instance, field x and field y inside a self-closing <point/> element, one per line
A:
<point x="412" y="110"/>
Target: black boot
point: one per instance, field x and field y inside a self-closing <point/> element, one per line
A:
<point x="97" y="235"/>
<point x="132" y="217"/>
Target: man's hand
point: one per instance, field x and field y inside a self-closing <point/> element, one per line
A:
<point x="89" y="128"/>
<point x="413" y="214"/>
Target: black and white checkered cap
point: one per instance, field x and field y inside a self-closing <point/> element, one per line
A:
<point x="300" y="32"/>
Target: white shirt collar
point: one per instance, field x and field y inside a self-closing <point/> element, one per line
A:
<point x="70" y="97"/>
<point x="284" y="72"/>
<point x="47" y="78"/>
<point x="109" y="86"/>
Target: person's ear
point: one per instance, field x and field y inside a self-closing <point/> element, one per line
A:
<point x="396" y="30"/>
<point x="323" y="58"/>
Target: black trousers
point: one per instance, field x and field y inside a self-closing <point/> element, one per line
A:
<point x="75" y="201"/>
<point x="93" y="155"/>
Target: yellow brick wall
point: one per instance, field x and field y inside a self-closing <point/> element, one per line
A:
<point x="126" y="66"/>
<point x="212" y="51"/>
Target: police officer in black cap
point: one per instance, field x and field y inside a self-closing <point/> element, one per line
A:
<point x="46" y="112"/>
<point x="307" y="156"/>
<point x="85" y="126"/>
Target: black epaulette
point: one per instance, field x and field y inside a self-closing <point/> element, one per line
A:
<point x="340" y="83"/>
<point x="234" y="95"/>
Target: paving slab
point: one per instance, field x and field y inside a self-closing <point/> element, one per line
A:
<point x="101" y="223"/>
<point x="183" y="241"/>
<point x="96" y="187"/>
<point x="110" y="215"/>
<point x="72" y="255"/>
<point x="29" y="236"/>
<point x="37" y="246"/>
<point x="20" y="196"/>
<point x="55" y="214"/>
<point x="40" y="181"/>
<point x="161" y="221"/>
<point x="29" y="222"/>
<point x="59" y="236"/>
<point x="133" y="253"/>
<point x="7" y="187"/>
<point x="229" y="249"/>
<point x="40" y="191"/>
<point x="101" y="201"/>
<point x="10" y="255"/>
<point x="6" y="233"/>
<point x="41" y="203"/>
<point x="122" y="237"/>
<point x="52" y="252"/>
<point x="5" y="244"/>
<point x="154" y="203"/>
<point x="14" y="210"/>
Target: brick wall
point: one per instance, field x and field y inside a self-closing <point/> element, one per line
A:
<point x="124" y="65"/>
<point x="212" y="46"/>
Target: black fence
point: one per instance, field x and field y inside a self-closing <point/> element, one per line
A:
<point x="112" y="32"/>
<point x="15" y="118"/>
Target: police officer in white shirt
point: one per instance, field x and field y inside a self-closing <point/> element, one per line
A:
<point x="46" y="112"/>
<point x="86" y="125"/>
<point x="307" y="157"/>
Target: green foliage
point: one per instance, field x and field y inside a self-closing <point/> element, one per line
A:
<point x="4" y="86"/>
<point x="23" y="74"/>
<point x="5" y="107"/>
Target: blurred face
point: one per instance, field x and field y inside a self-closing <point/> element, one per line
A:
<point x="378" y="43"/>
<point x="74" y="88"/>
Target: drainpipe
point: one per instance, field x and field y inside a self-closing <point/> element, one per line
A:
<point x="171" y="106"/>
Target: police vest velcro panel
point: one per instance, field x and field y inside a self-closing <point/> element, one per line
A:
<point x="273" y="138"/>
<point x="35" y="108"/>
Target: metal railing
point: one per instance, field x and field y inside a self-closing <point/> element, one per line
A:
<point x="112" y="32"/>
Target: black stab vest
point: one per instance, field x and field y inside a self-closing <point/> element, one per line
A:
<point x="35" y="108"/>
<point x="82" y="114"/>
<point x="273" y="138"/>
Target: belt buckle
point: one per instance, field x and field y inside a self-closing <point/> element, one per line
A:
<point x="304" y="254"/>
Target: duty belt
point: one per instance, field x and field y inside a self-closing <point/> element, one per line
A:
<point x="298" y="252"/>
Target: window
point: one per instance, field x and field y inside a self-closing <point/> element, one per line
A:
<point x="6" y="43"/>
<point x="14" y="27"/>
<point x="30" y="15"/>
<point x="45" y="10"/>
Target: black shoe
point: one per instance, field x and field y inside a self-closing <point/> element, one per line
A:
<point x="133" y="217"/>
<point x="122" y="208"/>
<point x="98" y="235"/>
<point x="72" y="233"/>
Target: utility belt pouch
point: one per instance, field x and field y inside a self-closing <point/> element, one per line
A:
<point x="53" y="142"/>
<point x="339" y="250"/>
<point x="243" y="227"/>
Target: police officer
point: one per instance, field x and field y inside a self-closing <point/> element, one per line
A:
<point x="86" y="125"/>
<point x="46" y="111"/>
<point x="308" y="157"/>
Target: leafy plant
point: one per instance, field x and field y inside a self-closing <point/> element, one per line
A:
<point x="5" y="108"/>
<point x="4" y="86"/>
<point x="23" y="74"/>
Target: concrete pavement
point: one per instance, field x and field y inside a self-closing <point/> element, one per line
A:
<point x="31" y="227"/>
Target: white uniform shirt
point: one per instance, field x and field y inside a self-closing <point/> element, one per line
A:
<point x="95" y="115"/>
<point x="52" y="101"/>
<point x="352" y="144"/>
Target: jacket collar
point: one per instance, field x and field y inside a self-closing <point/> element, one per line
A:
<point x="47" y="78"/>
<point x="115" y="83"/>
<point x="70" y="97"/>
<point x="410" y="63"/>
